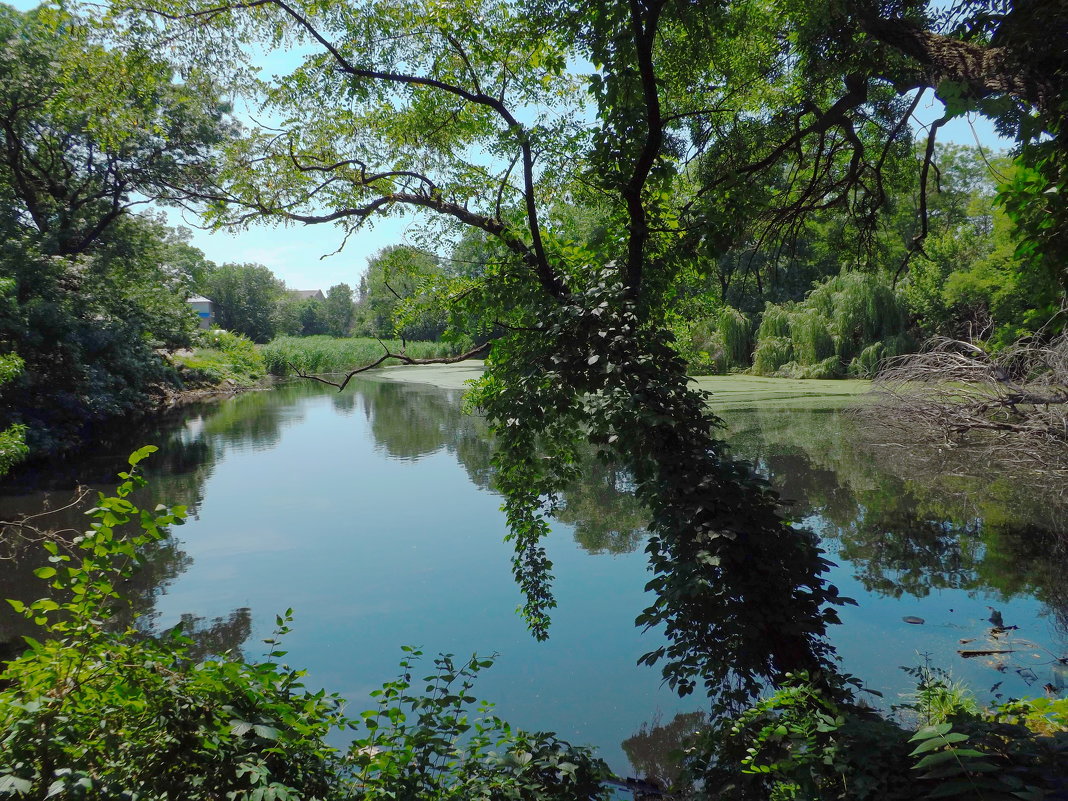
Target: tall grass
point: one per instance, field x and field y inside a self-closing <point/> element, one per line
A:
<point x="324" y="354"/>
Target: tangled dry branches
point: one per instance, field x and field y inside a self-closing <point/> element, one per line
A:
<point x="954" y="391"/>
<point x="17" y="535"/>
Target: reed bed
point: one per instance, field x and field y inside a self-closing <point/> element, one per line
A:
<point x="320" y="355"/>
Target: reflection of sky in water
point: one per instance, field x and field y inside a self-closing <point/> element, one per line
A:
<point x="360" y="513"/>
<point x="373" y="552"/>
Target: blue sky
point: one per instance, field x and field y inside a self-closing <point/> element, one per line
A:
<point x="305" y="257"/>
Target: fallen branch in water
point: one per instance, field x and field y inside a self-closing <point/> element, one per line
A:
<point x="952" y="389"/>
<point x="401" y="357"/>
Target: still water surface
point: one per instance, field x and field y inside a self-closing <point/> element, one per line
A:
<point x="371" y="514"/>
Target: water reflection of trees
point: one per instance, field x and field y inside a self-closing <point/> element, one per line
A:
<point x="914" y="519"/>
<point x="654" y="750"/>
<point x="910" y="520"/>
<point x="191" y="440"/>
<point x="608" y="519"/>
<point x="412" y="421"/>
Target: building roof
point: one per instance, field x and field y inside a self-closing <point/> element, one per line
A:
<point x="199" y="299"/>
<point x="305" y="294"/>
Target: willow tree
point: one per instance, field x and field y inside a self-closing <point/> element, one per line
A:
<point x="685" y="124"/>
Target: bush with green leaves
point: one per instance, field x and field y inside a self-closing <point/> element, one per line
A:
<point x="220" y="357"/>
<point x="97" y="710"/>
<point x="426" y="744"/>
<point x="807" y="741"/>
<point x="716" y="343"/>
<point x="13" y="438"/>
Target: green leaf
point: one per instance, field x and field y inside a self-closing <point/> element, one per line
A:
<point x="45" y="572"/>
<point x="931" y="731"/>
<point x="934" y="759"/>
<point x="266" y="732"/>
<point x="141" y="454"/>
<point x="936" y="742"/>
<point x="13" y="784"/>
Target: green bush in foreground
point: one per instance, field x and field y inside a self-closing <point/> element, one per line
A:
<point x="91" y="712"/>
<point x="222" y="356"/>
<point x="323" y="354"/>
<point x="801" y="744"/>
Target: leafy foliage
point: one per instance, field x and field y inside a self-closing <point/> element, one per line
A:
<point x="88" y="329"/>
<point x="848" y="323"/>
<point x="12" y="438"/>
<point x="223" y="357"/>
<point x="394" y="296"/>
<point x="425" y="744"/>
<point x="246" y="298"/>
<point x="339" y="310"/>
<point x="702" y="131"/>
<point x="592" y="372"/>
<point x="799" y="743"/>
<point x="91" y="128"/>
<point x="104" y="712"/>
<point x="974" y="281"/>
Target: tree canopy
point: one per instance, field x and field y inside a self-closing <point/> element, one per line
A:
<point x="91" y="128"/>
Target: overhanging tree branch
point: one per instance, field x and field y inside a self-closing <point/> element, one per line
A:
<point x="401" y="357"/>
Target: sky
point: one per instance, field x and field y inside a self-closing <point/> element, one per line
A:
<point x="307" y="256"/>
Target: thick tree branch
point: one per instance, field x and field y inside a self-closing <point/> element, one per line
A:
<point x="643" y="30"/>
<point x="536" y="257"/>
<point x="982" y="70"/>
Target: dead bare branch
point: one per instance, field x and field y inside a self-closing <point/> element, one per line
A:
<point x="957" y="392"/>
<point x="402" y="357"/>
<point x="17" y="535"/>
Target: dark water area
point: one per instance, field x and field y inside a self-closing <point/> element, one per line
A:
<point x="371" y="514"/>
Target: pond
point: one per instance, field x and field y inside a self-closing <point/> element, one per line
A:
<point x="371" y="514"/>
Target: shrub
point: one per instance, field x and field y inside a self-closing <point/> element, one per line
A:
<point x="736" y="335"/>
<point x="812" y="339"/>
<point x="701" y="344"/>
<point x="808" y="741"/>
<point x="771" y="353"/>
<point x="222" y="356"/>
<point x="775" y="321"/>
<point x="828" y="368"/>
